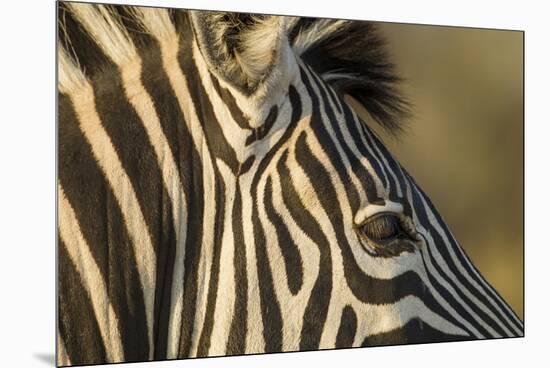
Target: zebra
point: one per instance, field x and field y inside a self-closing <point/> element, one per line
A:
<point x="217" y="195"/>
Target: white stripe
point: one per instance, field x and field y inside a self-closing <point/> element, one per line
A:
<point x="93" y="281"/>
<point x="407" y="308"/>
<point x="71" y="78"/>
<point x="62" y="356"/>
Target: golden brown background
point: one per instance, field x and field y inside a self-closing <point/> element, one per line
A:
<point x="464" y="143"/>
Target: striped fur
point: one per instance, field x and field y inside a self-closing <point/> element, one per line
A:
<point x="197" y="220"/>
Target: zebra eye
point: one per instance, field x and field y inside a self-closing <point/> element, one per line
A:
<point x="387" y="235"/>
<point x="382" y="227"/>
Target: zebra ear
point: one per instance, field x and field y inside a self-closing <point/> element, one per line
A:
<point x="242" y="49"/>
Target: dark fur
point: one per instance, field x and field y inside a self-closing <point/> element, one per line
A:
<point x="357" y="49"/>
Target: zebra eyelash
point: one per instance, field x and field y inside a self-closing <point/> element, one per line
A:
<point x="387" y="234"/>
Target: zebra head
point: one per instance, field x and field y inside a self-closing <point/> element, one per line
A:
<point x="348" y="249"/>
<point x="249" y="208"/>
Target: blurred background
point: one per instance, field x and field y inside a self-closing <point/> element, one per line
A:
<point x="464" y="143"/>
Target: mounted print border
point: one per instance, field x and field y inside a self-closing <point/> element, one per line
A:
<point x="224" y="188"/>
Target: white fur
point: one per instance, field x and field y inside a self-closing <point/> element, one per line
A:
<point x="258" y="45"/>
<point x="106" y="30"/>
<point x="156" y="22"/>
<point x="71" y="77"/>
<point x="62" y="356"/>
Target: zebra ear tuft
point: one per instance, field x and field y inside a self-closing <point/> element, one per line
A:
<point x="242" y="49"/>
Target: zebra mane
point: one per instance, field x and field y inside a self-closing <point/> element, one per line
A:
<point x="349" y="55"/>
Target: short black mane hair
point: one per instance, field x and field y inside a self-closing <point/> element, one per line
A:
<point x="351" y="56"/>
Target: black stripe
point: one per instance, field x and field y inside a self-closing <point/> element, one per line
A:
<point x="402" y="180"/>
<point x="414" y="332"/>
<point x="163" y="286"/>
<point x="220" y="193"/>
<point x="347" y="329"/>
<point x="447" y="296"/>
<point x="329" y="147"/>
<point x="236" y="343"/>
<point x="215" y="139"/>
<point x="193" y="245"/>
<point x="103" y="227"/>
<point x="289" y="249"/>
<point x="296" y="114"/>
<point x="263" y="130"/>
<point x="246" y="165"/>
<point x="352" y="124"/>
<point x="271" y="310"/>
<point x="230" y="103"/>
<point x="332" y="95"/>
<point x="83" y="342"/>
<point x="317" y="308"/>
